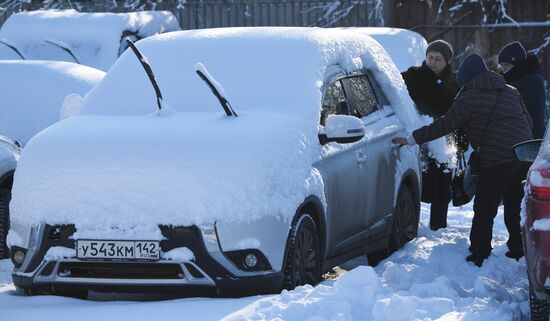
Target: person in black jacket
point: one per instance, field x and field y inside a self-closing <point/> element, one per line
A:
<point x="525" y="73"/>
<point x="432" y="87"/>
<point x="494" y="119"/>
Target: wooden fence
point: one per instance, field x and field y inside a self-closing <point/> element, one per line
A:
<point x="196" y="14"/>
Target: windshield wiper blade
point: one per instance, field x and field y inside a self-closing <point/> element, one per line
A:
<point x="12" y="46"/>
<point x="148" y="70"/>
<point x="63" y="46"/>
<point x="216" y="89"/>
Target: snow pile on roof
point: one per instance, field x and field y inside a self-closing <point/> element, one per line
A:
<point x="32" y="93"/>
<point x="406" y="48"/>
<point x="259" y="68"/>
<point x="193" y="165"/>
<point x="95" y="38"/>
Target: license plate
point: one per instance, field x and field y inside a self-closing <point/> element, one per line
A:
<point x="114" y="250"/>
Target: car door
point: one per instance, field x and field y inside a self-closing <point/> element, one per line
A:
<point x="342" y="171"/>
<point x="381" y="126"/>
<point x="365" y="105"/>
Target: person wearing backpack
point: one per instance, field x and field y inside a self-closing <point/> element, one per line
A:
<point x="494" y="119"/>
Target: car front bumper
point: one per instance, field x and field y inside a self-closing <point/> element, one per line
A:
<point x="209" y="273"/>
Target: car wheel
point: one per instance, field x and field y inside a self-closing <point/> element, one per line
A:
<point x="405" y="220"/>
<point x="5" y="196"/>
<point x="377" y="256"/>
<point x="539" y="308"/>
<point x="303" y="259"/>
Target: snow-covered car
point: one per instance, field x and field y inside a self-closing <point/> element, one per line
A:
<point x="535" y="222"/>
<point x="157" y="188"/>
<point x="406" y="47"/>
<point x="10" y="151"/>
<point x="89" y="38"/>
<point x="32" y="94"/>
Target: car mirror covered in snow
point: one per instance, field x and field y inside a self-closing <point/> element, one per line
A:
<point x="342" y="129"/>
<point x="527" y="151"/>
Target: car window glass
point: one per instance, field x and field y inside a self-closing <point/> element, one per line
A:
<point x="334" y="101"/>
<point x="380" y="96"/>
<point x="362" y="98"/>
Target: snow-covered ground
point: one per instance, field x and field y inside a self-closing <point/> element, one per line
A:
<point x="427" y="280"/>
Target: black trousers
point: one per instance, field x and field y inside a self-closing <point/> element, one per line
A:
<point x="496" y="183"/>
<point x="436" y="189"/>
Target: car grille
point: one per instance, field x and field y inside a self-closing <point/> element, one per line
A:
<point x="114" y="270"/>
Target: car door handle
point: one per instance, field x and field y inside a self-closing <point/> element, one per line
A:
<point x="360" y="157"/>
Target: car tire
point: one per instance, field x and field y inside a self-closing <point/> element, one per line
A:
<point x="539" y="308"/>
<point x="376" y="257"/>
<point x="5" y="196"/>
<point x="303" y="259"/>
<point x="404" y="226"/>
<point x="405" y="220"/>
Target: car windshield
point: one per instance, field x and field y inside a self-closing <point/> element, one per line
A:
<point x="260" y="68"/>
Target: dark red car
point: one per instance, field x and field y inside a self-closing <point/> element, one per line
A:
<point x="536" y="224"/>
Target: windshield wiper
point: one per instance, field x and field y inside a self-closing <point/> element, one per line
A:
<point x="63" y="46"/>
<point x="148" y="70"/>
<point x="12" y="46"/>
<point x="216" y="89"/>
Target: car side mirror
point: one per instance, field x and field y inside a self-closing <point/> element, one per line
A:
<point x="342" y="129"/>
<point x="527" y="151"/>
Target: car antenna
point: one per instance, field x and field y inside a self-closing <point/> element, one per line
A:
<point x="216" y="89"/>
<point x="148" y="70"/>
<point x="63" y="46"/>
<point x="12" y="46"/>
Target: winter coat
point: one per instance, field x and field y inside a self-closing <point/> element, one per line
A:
<point x="527" y="77"/>
<point x="510" y="122"/>
<point x="432" y="95"/>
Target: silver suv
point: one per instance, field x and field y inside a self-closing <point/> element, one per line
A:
<point x="163" y="190"/>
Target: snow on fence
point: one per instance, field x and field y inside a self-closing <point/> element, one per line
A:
<point x="197" y="14"/>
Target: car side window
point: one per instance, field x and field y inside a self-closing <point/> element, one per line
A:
<point x="334" y="101"/>
<point x="362" y="98"/>
<point x="380" y="96"/>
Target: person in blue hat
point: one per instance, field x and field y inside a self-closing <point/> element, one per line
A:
<point x="494" y="119"/>
<point x="524" y="72"/>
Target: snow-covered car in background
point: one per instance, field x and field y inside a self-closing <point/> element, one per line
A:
<point x="535" y="222"/>
<point x="32" y="94"/>
<point x="92" y="39"/>
<point x="157" y="190"/>
<point x="406" y="47"/>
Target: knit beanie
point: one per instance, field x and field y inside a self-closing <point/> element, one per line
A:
<point x="512" y="53"/>
<point x="472" y="66"/>
<point x="442" y="47"/>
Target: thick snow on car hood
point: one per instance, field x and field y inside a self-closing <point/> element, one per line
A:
<point x="94" y="37"/>
<point x="32" y="93"/>
<point x="176" y="168"/>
